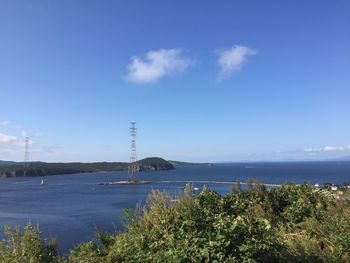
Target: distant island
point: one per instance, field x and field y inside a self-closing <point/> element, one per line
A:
<point x="16" y="169"/>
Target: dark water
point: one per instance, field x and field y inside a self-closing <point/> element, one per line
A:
<point x="70" y="207"/>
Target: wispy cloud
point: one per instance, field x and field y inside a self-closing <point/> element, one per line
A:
<point x="4" y="138"/>
<point x="50" y="148"/>
<point x="157" y="64"/>
<point x="24" y="133"/>
<point x="232" y="60"/>
<point x="12" y="144"/>
<point x="10" y="140"/>
<point x="328" y="149"/>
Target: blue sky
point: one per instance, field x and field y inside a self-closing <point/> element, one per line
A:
<point x="204" y="80"/>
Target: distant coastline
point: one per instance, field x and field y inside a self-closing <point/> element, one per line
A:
<point x="13" y="169"/>
<point x="185" y="164"/>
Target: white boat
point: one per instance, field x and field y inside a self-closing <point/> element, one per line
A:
<point x="42" y="182"/>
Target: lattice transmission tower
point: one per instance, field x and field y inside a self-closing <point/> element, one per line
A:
<point x="133" y="168"/>
<point x="26" y="156"/>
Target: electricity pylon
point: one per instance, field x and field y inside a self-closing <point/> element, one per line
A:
<point x="133" y="168"/>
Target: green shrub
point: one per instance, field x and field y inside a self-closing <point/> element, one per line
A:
<point x="292" y="223"/>
<point x="26" y="246"/>
<point x="86" y="253"/>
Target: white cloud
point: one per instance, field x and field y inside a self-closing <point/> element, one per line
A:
<point x="232" y="60"/>
<point x="312" y="149"/>
<point x="328" y="149"/>
<point x="12" y="146"/>
<point x="4" y="138"/>
<point x="157" y="64"/>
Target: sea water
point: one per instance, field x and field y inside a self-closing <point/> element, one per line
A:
<point x="72" y="207"/>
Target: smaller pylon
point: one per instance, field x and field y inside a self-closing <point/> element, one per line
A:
<point x="26" y="156"/>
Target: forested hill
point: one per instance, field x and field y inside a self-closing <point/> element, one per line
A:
<point x="43" y="169"/>
<point x="154" y="163"/>
<point x="2" y="163"/>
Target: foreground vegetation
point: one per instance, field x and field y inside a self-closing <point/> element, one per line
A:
<point x="287" y="224"/>
<point x="43" y="169"/>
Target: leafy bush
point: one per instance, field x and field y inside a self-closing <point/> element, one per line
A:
<point x="286" y="224"/>
<point x="26" y="246"/>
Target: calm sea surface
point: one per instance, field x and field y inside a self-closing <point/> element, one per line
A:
<point x="71" y="207"/>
